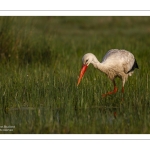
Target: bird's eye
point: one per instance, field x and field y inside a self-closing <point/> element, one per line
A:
<point x="87" y="60"/>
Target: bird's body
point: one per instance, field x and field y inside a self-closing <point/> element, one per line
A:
<point x="116" y="63"/>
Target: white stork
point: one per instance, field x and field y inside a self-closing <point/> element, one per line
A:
<point x="116" y="63"/>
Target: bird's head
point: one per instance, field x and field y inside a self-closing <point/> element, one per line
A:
<point x="86" y="60"/>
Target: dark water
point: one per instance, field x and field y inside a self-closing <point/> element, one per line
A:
<point x="24" y="120"/>
<point x="30" y="120"/>
<point x="47" y="120"/>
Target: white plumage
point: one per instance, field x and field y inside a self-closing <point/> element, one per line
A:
<point x="116" y="63"/>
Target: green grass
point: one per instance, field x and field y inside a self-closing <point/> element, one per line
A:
<point x="40" y="60"/>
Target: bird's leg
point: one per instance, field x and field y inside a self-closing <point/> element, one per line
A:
<point x="122" y="89"/>
<point x="112" y="92"/>
<point x="123" y="82"/>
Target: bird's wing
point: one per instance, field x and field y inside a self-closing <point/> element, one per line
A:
<point x="128" y="61"/>
<point x="110" y="54"/>
<point x="120" y="58"/>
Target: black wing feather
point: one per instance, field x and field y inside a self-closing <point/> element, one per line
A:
<point x="135" y="65"/>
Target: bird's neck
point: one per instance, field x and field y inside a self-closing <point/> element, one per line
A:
<point x="98" y="65"/>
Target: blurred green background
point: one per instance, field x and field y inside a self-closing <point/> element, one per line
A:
<point x="40" y="59"/>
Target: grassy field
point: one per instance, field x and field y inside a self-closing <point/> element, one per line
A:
<point x="40" y="60"/>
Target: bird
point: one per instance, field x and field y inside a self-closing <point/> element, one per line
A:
<point x="116" y="63"/>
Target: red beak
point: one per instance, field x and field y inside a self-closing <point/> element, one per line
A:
<point x="83" y="69"/>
